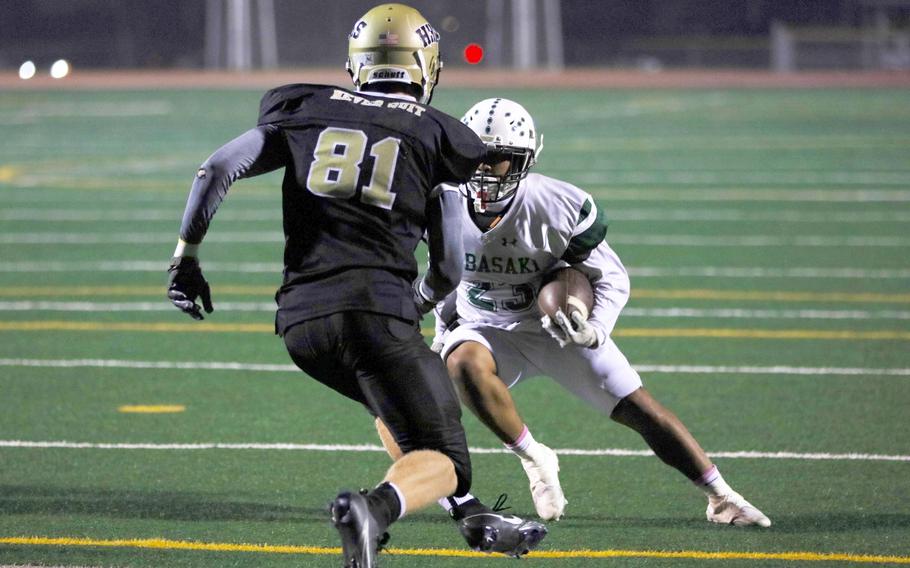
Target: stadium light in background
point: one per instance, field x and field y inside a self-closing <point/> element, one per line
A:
<point x="27" y="70"/>
<point x="450" y="24"/>
<point x="473" y="53"/>
<point x="60" y="69"/>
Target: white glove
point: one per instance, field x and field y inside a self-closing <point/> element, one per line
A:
<point x="582" y="333"/>
<point x="554" y="330"/>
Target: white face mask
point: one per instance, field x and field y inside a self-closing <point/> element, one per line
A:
<point x="490" y="193"/>
<point x="493" y="193"/>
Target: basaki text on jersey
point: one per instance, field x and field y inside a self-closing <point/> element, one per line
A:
<point x="500" y="265"/>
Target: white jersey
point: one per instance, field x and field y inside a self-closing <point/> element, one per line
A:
<point x="550" y="224"/>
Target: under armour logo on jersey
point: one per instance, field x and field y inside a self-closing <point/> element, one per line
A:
<point x="506" y="242"/>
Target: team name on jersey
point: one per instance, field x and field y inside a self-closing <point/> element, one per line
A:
<point x="412" y="108"/>
<point x="500" y="265"/>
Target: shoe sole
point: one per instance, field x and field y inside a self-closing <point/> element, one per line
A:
<point x="530" y="537"/>
<point x="741" y="521"/>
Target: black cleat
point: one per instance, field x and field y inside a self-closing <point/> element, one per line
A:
<point x="495" y="532"/>
<point x="361" y="535"/>
<point x="488" y="530"/>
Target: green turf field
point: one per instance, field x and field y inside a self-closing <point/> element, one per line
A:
<point x="766" y="233"/>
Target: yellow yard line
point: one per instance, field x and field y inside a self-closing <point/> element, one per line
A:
<point x="777" y="296"/>
<point x="210" y="327"/>
<point x="194" y="327"/>
<point x="8" y="173"/>
<point x="162" y="544"/>
<point x="151" y="408"/>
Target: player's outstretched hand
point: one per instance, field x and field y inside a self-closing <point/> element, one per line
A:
<point x="185" y="283"/>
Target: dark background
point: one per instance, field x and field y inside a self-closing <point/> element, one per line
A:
<point x="671" y="33"/>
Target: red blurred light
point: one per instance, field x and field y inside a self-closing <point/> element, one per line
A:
<point x="473" y="53"/>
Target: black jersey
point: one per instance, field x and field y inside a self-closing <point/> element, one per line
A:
<point x="359" y="173"/>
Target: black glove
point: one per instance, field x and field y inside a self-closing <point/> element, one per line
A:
<point x="185" y="283"/>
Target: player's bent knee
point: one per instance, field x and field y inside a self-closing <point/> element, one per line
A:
<point x="436" y="465"/>
<point x="449" y="446"/>
<point x="468" y="360"/>
<point x="457" y="455"/>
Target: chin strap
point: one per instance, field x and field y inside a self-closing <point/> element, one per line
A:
<point x="480" y="205"/>
<point x="480" y="197"/>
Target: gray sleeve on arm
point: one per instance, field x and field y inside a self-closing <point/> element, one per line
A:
<point x="445" y="246"/>
<point x="256" y="151"/>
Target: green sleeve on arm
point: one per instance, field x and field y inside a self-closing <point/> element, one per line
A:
<point x="581" y="245"/>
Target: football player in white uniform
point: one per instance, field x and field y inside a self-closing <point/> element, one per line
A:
<point x="517" y="227"/>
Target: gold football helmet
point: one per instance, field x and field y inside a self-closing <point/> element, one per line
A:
<point x="394" y="43"/>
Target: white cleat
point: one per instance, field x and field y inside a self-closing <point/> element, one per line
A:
<point x="733" y="509"/>
<point x="543" y="473"/>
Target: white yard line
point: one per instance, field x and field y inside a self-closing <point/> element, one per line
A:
<point x="580" y="147"/>
<point x="167" y="193"/>
<point x="128" y="364"/>
<point x="134" y="238"/>
<point x="129" y="109"/>
<point x="747" y="177"/>
<point x="135" y="266"/>
<point x="729" y="313"/>
<point x="681" y="240"/>
<point x="734" y="313"/>
<point x="162" y="306"/>
<point x="129" y="215"/>
<point x="766" y="272"/>
<point x="288" y="368"/>
<point x="362" y="448"/>
<point x="636" y="272"/>
<point x="46" y="566"/>
<point x="779" y="216"/>
<point x="260" y="193"/>
<point x="611" y="194"/>
<point x="614" y="213"/>
<point x="639" y="107"/>
<point x="758" y="241"/>
<point x="775" y="370"/>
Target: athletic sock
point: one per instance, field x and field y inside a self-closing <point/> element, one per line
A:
<point x="712" y="483"/>
<point x="461" y="507"/>
<point x="386" y="503"/>
<point x="525" y="446"/>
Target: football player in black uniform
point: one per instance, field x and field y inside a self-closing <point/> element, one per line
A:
<point x="362" y="186"/>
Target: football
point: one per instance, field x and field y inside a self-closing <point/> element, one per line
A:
<point x="568" y="290"/>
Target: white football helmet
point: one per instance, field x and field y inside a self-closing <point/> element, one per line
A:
<point x="394" y="43"/>
<point x="510" y="128"/>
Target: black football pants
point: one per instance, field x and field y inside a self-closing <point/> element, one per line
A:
<point x="384" y="363"/>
